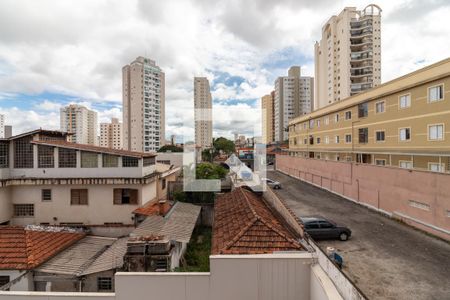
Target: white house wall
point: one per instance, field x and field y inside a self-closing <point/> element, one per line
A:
<point x="5" y="205"/>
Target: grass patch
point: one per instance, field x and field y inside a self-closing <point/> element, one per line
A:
<point x="198" y="251"/>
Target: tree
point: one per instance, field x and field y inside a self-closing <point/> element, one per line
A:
<point x="210" y="171"/>
<point x="170" y="148"/>
<point x="207" y="155"/>
<point x="224" y="145"/>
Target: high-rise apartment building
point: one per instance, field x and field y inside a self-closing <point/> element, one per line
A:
<point x="2" y="126"/>
<point x="111" y="134"/>
<point x="293" y="97"/>
<point x="203" y="112"/>
<point x="80" y="122"/>
<point x="8" y="131"/>
<point x="348" y="57"/>
<point x="143" y="91"/>
<point x="268" y="128"/>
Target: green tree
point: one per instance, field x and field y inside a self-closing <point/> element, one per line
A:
<point x="170" y="148"/>
<point x="210" y="171"/>
<point x="207" y="155"/>
<point x="223" y="144"/>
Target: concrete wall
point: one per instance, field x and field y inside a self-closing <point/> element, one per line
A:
<point x="420" y="198"/>
<point x="24" y="284"/>
<point x="100" y="209"/>
<point x="5" y="205"/>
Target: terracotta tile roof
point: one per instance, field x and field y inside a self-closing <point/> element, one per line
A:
<point x="93" y="148"/>
<point x="22" y="249"/>
<point x="152" y="208"/>
<point x="244" y="224"/>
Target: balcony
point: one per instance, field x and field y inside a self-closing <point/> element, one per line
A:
<point x="360" y="33"/>
<point x="359" y="87"/>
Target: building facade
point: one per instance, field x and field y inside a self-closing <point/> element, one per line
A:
<point x="402" y="123"/>
<point x="203" y="112"/>
<point x="293" y="97"/>
<point x="143" y="93"/>
<point x="8" y="131"/>
<point x="80" y="122"/>
<point x="348" y="56"/>
<point x="111" y="134"/>
<point x="2" y="126"/>
<point x="268" y="126"/>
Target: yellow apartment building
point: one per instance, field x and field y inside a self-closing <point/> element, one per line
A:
<point x="403" y="123"/>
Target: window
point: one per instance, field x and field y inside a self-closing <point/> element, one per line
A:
<point x="405" y="164"/>
<point x="125" y="196"/>
<point x="89" y="159"/>
<point x="380" y="107"/>
<point x="4" y="280"/>
<point x="405" y="134"/>
<point x="327" y="140"/>
<point x="380" y="162"/>
<point x="110" y="161"/>
<point x="379" y="136"/>
<point x="405" y="101"/>
<point x="23" y="153"/>
<point x="46" y="157"/>
<point x="436" y="132"/>
<point x="164" y="183"/>
<point x="23" y="210"/>
<point x="148" y="161"/>
<point x="436" y="167"/>
<point x="311" y="124"/>
<point x="363" y="110"/>
<point x="318" y="140"/>
<point x="419" y="205"/>
<point x="326" y="120"/>
<point x="79" y="197"/>
<point x="325" y="224"/>
<point x="104" y="283"/>
<point x="318" y="123"/>
<point x="436" y="93"/>
<point x="336" y="118"/>
<point x="4" y="154"/>
<point x="67" y="158"/>
<point x="129" y="161"/>
<point x="336" y="139"/>
<point x="348" y="115"/>
<point x="363" y="135"/>
<point x="348" y="138"/>
<point x="46" y="195"/>
<point x="312" y="225"/>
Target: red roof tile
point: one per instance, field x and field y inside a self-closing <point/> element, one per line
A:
<point x="244" y="224"/>
<point x="93" y="148"/>
<point x="152" y="208"/>
<point x="22" y="249"/>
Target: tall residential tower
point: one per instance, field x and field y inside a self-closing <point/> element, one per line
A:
<point x="80" y="122"/>
<point x="143" y="92"/>
<point x="203" y="112"/>
<point x="293" y="97"/>
<point x="111" y="134"/>
<point x="268" y="128"/>
<point x="348" y="57"/>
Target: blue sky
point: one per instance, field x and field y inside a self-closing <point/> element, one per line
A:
<point x="75" y="55"/>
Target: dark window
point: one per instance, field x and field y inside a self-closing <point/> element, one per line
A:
<point x="148" y="161"/>
<point x="46" y="157"/>
<point x="348" y="115"/>
<point x="363" y="135"/>
<point x="163" y="184"/>
<point x="311" y="140"/>
<point x="325" y="224"/>
<point x="46" y="195"/>
<point x="67" y="158"/>
<point x="89" y="159"/>
<point x="129" y="161"/>
<point x="110" y="161"/>
<point x="312" y="225"/>
<point x="23" y="153"/>
<point x="380" y="136"/>
<point x="4" y="280"/>
<point x="23" y="210"/>
<point x="4" y="154"/>
<point x="79" y="197"/>
<point x="125" y="196"/>
<point x="363" y="110"/>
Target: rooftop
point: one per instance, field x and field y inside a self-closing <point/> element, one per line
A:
<point x="153" y="208"/>
<point x="93" y="148"/>
<point x="244" y="224"/>
<point x="25" y="248"/>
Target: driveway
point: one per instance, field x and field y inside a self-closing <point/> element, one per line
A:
<point x="386" y="259"/>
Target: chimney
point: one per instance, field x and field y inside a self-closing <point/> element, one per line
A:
<point x="161" y="204"/>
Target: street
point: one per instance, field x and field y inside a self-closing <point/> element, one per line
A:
<point x="386" y="259"/>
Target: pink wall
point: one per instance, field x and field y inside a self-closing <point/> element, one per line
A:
<point x="388" y="189"/>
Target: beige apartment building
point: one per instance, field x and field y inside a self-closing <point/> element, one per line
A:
<point x="80" y="122"/>
<point x="293" y="97"/>
<point x="348" y="56"/>
<point x="203" y="112"/>
<point x="111" y="134"/>
<point x="143" y="93"/>
<point x="268" y="126"/>
<point x="403" y="123"/>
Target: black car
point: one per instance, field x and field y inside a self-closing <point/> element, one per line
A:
<point x="320" y="228"/>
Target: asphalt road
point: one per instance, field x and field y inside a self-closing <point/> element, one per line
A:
<point x="386" y="259"/>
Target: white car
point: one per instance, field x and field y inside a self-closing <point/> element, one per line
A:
<point x="272" y="183"/>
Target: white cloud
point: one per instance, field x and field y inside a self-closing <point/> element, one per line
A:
<point x="48" y="105"/>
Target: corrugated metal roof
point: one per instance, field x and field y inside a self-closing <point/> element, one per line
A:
<point x="177" y="225"/>
<point x="78" y="257"/>
<point x="111" y="259"/>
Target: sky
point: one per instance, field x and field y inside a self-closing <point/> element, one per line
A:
<point x="56" y="52"/>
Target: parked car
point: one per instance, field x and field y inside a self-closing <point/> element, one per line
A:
<point x="320" y="228"/>
<point x="272" y="183"/>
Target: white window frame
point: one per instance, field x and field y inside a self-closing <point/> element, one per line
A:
<point x="379" y="159"/>
<point x="400" y="135"/>
<point x="345" y="115"/>
<point x="376" y="107"/>
<point x="375" y="136"/>
<point x="326" y="120"/>
<point x="350" y="138"/>
<point x="336" y="118"/>
<point x="432" y="87"/>
<point x="441" y="167"/>
<point x="336" y="139"/>
<point x="436" y="139"/>
<point x="327" y="139"/>
<point x="405" y="161"/>
<point x="400" y="101"/>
